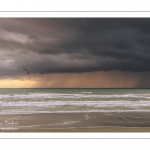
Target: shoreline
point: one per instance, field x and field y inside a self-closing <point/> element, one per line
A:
<point x="90" y="129"/>
<point x="76" y="122"/>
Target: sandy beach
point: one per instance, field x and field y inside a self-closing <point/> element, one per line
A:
<point x="76" y="122"/>
<point x="98" y="129"/>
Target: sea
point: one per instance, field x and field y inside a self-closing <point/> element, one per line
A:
<point x="65" y="108"/>
<point x="68" y="100"/>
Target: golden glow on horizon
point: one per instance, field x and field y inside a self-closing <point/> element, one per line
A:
<point x="9" y="83"/>
<point x="99" y="79"/>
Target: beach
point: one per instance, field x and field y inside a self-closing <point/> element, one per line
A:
<point x="76" y="122"/>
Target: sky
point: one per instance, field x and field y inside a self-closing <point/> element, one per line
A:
<point x="75" y="52"/>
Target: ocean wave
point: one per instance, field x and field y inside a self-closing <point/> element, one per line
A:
<point x="69" y="96"/>
<point x="72" y="102"/>
<point x="76" y="103"/>
<point x="74" y="111"/>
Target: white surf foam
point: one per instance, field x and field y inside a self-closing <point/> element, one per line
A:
<point x="69" y="96"/>
<point x="83" y="102"/>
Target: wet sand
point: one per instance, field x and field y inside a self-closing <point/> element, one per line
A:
<point x="76" y="122"/>
<point x="98" y="129"/>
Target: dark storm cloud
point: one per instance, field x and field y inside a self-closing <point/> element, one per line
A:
<point x="61" y="45"/>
